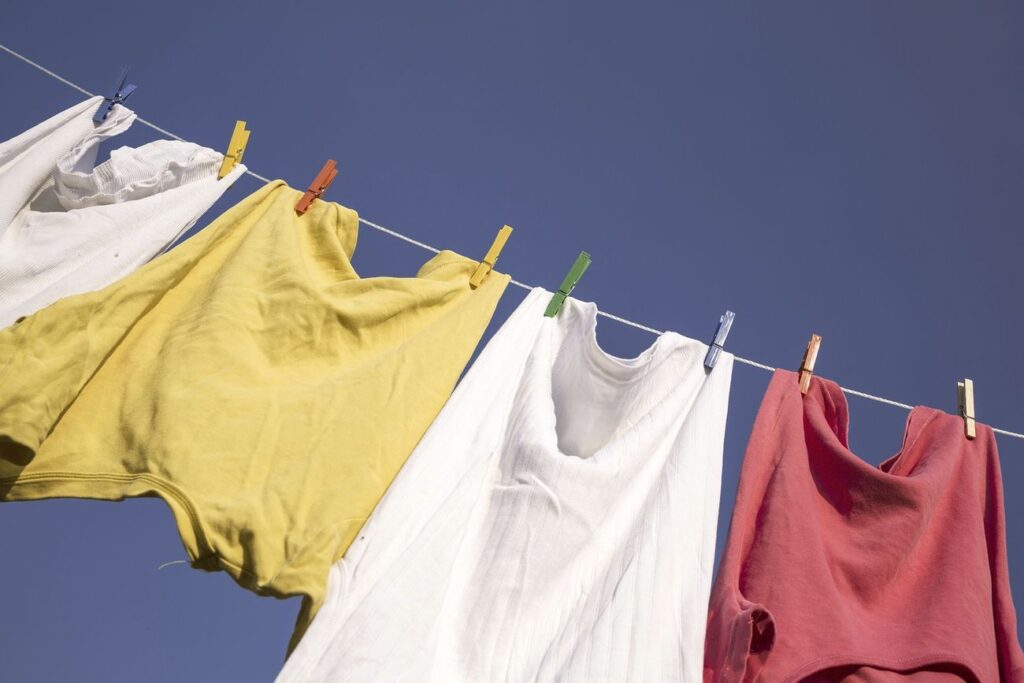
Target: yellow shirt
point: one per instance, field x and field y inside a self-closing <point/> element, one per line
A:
<point x="251" y="379"/>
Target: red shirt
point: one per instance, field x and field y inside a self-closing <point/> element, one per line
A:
<point x="836" y="570"/>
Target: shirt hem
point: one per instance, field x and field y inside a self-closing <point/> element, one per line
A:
<point x="899" y="664"/>
<point x="64" y="484"/>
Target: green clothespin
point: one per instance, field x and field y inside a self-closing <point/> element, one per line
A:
<point x="568" y="284"/>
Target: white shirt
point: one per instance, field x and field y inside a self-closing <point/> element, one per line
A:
<point x="67" y="227"/>
<point x="556" y="522"/>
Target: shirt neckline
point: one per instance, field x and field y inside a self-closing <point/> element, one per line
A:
<point x="828" y="409"/>
<point x="578" y="322"/>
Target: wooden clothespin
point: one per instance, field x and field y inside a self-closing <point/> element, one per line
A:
<point x="568" y="284"/>
<point x="490" y="258"/>
<point x="717" y="344"/>
<point x="965" y="406"/>
<point x="236" y="148"/>
<point x="807" y="365"/>
<point x="118" y="95"/>
<point x="319" y="185"/>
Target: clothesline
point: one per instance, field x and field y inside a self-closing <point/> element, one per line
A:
<point x="423" y="245"/>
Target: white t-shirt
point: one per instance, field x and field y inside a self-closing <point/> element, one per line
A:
<point x="67" y="227"/>
<point x="556" y="522"/>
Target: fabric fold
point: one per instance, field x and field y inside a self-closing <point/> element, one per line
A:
<point x="556" y="522"/>
<point x="251" y="379"/>
<point x="69" y="226"/>
<point x="838" y="570"/>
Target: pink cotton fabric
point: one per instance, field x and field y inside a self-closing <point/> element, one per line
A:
<point x="836" y="570"/>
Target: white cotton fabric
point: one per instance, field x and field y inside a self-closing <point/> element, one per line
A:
<point x="68" y="226"/>
<point x="556" y="523"/>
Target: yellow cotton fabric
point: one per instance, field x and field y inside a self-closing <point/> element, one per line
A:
<point x="251" y="379"/>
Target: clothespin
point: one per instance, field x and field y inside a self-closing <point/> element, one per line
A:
<point x="490" y="258"/>
<point x="568" y="284"/>
<point x="807" y="365"/>
<point x="724" y="325"/>
<point x="965" y="406"/>
<point x="236" y="148"/>
<point x="319" y="185"/>
<point x="118" y="95"/>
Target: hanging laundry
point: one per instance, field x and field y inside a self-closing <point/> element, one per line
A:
<point x="68" y="226"/>
<point x="251" y="379"/>
<point x="836" y="570"/>
<point x="557" y="521"/>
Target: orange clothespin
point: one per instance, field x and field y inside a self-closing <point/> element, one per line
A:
<point x="490" y="258"/>
<point x="319" y="185"/>
<point x="965" y="405"/>
<point x="807" y="365"/>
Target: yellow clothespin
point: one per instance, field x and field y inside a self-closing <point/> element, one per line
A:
<point x="236" y="148"/>
<point x="965" y="405"/>
<point x="490" y="258"/>
<point x="807" y="365"/>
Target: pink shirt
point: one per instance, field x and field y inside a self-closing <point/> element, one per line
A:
<point x="836" y="570"/>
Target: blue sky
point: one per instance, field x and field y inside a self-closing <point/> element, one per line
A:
<point x="849" y="169"/>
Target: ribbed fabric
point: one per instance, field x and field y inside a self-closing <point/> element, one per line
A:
<point x="556" y="523"/>
<point x="251" y="379"/>
<point x="133" y="173"/>
<point x="67" y="227"/>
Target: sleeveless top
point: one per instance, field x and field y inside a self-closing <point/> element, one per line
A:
<point x="248" y="377"/>
<point x="836" y="570"/>
<point x="69" y="226"/>
<point x="556" y="523"/>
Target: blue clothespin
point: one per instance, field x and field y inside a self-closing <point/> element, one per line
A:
<point x="715" y="350"/>
<point x="118" y="95"/>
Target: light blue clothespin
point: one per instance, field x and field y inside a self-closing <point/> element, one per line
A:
<point x="715" y="350"/>
<point x="118" y="95"/>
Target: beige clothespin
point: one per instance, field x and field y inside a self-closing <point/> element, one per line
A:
<point x="965" y="406"/>
<point x="807" y="365"/>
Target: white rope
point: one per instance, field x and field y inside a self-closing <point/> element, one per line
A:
<point x="389" y="231"/>
<point x="171" y="564"/>
<point x="45" y="70"/>
<point x="424" y="245"/>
